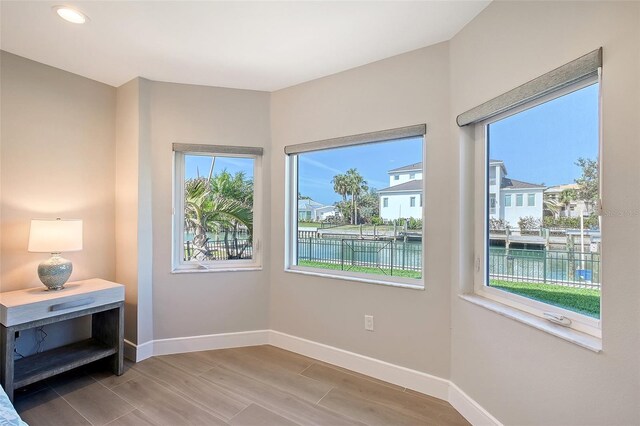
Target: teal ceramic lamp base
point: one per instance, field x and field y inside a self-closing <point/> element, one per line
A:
<point x="55" y="272"/>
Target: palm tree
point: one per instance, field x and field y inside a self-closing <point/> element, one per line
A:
<point x="357" y="186"/>
<point x="566" y="197"/>
<point x="221" y="204"/>
<point x="234" y="195"/>
<point x="340" y="186"/>
<point x="552" y="205"/>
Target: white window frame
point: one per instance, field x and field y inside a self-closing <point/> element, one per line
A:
<point x="579" y="322"/>
<point x="412" y="201"/>
<point x="291" y="232"/>
<point x="385" y="202"/>
<point x="179" y="265"/>
<point x="507" y="197"/>
<point x="529" y="197"/>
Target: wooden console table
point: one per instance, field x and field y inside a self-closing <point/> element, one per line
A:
<point x="36" y="307"/>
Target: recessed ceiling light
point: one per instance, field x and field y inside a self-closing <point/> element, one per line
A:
<point x="71" y="15"/>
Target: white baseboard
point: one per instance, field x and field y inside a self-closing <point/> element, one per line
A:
<point x="210" y="342"/>
<point x="194" y="343"/>
<point x="401" y="376"/>
<point x="382" y="370"/>
<point x="469" y="408"/>
<point x="138" y="353"/>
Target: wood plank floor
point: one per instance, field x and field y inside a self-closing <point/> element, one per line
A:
<point x="257" y="385"/>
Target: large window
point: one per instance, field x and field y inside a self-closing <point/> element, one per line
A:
<point x="365" y="222"/>
<point x="543" y="257"/>
<point x="216" y="192"/>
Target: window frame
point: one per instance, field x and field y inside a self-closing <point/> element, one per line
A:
<point x="531" y="196"/>
<point x="178" y="264"/>
<point x="291" y="231"/>
<point x="579" y="322"/>
<point x="507" y="203"/>
<point x="385" y="202"/>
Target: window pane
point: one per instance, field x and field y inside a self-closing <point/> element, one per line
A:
<point x="550" y="251"/>
<point x="218" y="214"/>
<point x="507" y="200"/>
<point x="364" y="217"/>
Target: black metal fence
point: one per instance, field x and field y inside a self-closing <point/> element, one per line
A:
<point x="389" y="256"/>
<point x="566" y="268"/>
<point x="217" y="250"/>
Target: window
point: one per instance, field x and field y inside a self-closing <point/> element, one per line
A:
<point x="507" y="200"/>
<point x="545" y="134"/>
<point x="553" y="140"/>
<point x="362" y="242"/>
<point x="216" y="191"/>
<point x="412" y="175"/>
<point x="518" y="200"/>
<point x="531" y="200"/>
<point x="492" y="203"/>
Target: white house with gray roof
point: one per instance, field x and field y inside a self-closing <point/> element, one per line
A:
<point x="509" y="199"/>
<point x="403" y="197"/>
<point x="512" y="199"/>
<point x="309" y="210"/>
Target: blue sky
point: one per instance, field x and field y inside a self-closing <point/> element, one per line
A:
<point x="316" y="169"/>
<point x="201" y="164"/>
<point x="542" y="144"/>
<point x="539" y="145"/>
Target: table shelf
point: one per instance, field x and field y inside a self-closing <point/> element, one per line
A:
<point x="55" y="361"/>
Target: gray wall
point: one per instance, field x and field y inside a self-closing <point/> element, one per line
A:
<point x="412" y="326"/>
<point x="57" y="160"/>
<point x="519" y="374"/>
<point x="203" y="303"/>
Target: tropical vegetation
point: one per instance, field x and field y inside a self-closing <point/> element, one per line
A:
<point x="223" y="206"/>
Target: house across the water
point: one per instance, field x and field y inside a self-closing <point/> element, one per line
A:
<point x="509" y="199"/>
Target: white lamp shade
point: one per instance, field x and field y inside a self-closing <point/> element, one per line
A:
<point x="55" y="235"/>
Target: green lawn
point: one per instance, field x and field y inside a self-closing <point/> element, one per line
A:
<point x="377" y="271"/>
<point x="582" y="300"/>
<point x="314" y="225"/>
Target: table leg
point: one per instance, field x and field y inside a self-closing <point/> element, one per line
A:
<point x="7" y="343"/>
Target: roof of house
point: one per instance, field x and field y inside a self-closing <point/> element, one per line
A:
<point x="414" y="166"/>
<point x="508" y="183"/>
<point x="308" y="203"/>
<point x="560" y="188"/>
<point x="412" y="185"/>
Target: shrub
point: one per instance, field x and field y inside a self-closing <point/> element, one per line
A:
<point x="414" y="223"/>
<point x="590" y="221"/>
<point x="528" y="223"/>
<point x="498" y="224"/>
<point x="376" y="220"/>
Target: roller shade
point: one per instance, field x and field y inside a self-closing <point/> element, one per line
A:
<point x="381" y="136"/>
<point x="217" y="149"/>
<point x="580" y="69"/>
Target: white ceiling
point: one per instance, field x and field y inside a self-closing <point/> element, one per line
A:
<point x="248" y="45"/>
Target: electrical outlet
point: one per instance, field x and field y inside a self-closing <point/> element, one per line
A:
<point x="368" y="322"/>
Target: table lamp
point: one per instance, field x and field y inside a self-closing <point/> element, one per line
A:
<point x="55" y="236"/>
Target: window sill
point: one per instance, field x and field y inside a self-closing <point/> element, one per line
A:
<point x="207" y="270"/>
<point x="576" y="337"/>
<point x="356" y="279"/>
